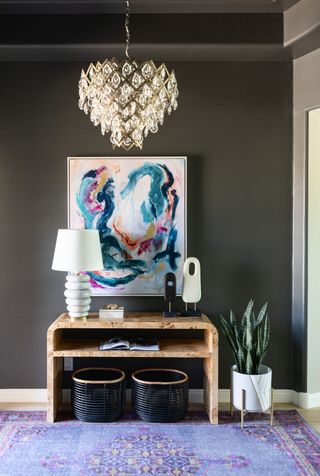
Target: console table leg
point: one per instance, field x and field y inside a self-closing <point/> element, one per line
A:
<point x="54" y="374"/>
<point x="55" y="368"/>
<point x="210" y="367"/>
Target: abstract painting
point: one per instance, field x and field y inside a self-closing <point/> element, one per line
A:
<point x="138" y="206"/>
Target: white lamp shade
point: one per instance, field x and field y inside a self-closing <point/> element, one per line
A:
<point x="77" y="250"/>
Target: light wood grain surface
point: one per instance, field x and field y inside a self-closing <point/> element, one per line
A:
<point x="192" y="348"/>
<point x="133" y="320"/>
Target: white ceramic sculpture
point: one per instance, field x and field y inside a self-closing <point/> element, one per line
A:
<point x="191" y="285"/>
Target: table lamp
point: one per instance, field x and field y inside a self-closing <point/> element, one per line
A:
<point x="77" y="251"/>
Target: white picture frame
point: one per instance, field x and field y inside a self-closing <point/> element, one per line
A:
<point x="143" y="180"/>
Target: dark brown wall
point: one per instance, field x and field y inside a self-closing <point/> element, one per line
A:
<point x="234" y="122"/>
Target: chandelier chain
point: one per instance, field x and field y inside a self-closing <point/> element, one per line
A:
<point x="127" y="29"/>
<point x="127" y="98"/>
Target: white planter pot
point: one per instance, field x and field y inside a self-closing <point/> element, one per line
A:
<point x="257" y="390"/>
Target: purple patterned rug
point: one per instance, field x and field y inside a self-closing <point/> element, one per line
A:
<point x="130" y="447"/>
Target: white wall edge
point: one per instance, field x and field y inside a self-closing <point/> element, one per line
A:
<point x="39" y="395"/>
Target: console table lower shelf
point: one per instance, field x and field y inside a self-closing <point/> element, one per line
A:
<point x="206" y="348"/>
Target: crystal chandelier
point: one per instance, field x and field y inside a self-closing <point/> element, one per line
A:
<point x="127" y="98"/>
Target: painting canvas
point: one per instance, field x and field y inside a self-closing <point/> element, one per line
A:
<point x="138" y="206"/>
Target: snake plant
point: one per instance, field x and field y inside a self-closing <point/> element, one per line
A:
<point x="248" y="338"/>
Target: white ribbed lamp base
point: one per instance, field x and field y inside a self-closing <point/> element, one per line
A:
<point x="77" y="295"/>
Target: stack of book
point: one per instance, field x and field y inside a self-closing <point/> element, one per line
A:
<point x="137" y="343"/>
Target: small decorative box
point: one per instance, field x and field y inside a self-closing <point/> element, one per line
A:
<point x="117" y="313"/>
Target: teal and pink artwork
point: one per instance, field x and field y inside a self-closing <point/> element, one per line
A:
<point x="138" y="206"/>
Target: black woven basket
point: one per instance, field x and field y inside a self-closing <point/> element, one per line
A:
<point x="98" y="394"/>
<point x="160" y="395"/>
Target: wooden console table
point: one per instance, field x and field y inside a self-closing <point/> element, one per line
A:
<point x="206" y="348"/>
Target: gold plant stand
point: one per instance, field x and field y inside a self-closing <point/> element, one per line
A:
<point x="243" y="410"/>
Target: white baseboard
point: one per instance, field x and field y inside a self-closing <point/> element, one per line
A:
<point x="307" y="400"/>
<point x="39" y="395"/>
<point x="23" y="395"/>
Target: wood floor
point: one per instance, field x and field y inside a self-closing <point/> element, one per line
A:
<point x="312" y="416"/>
